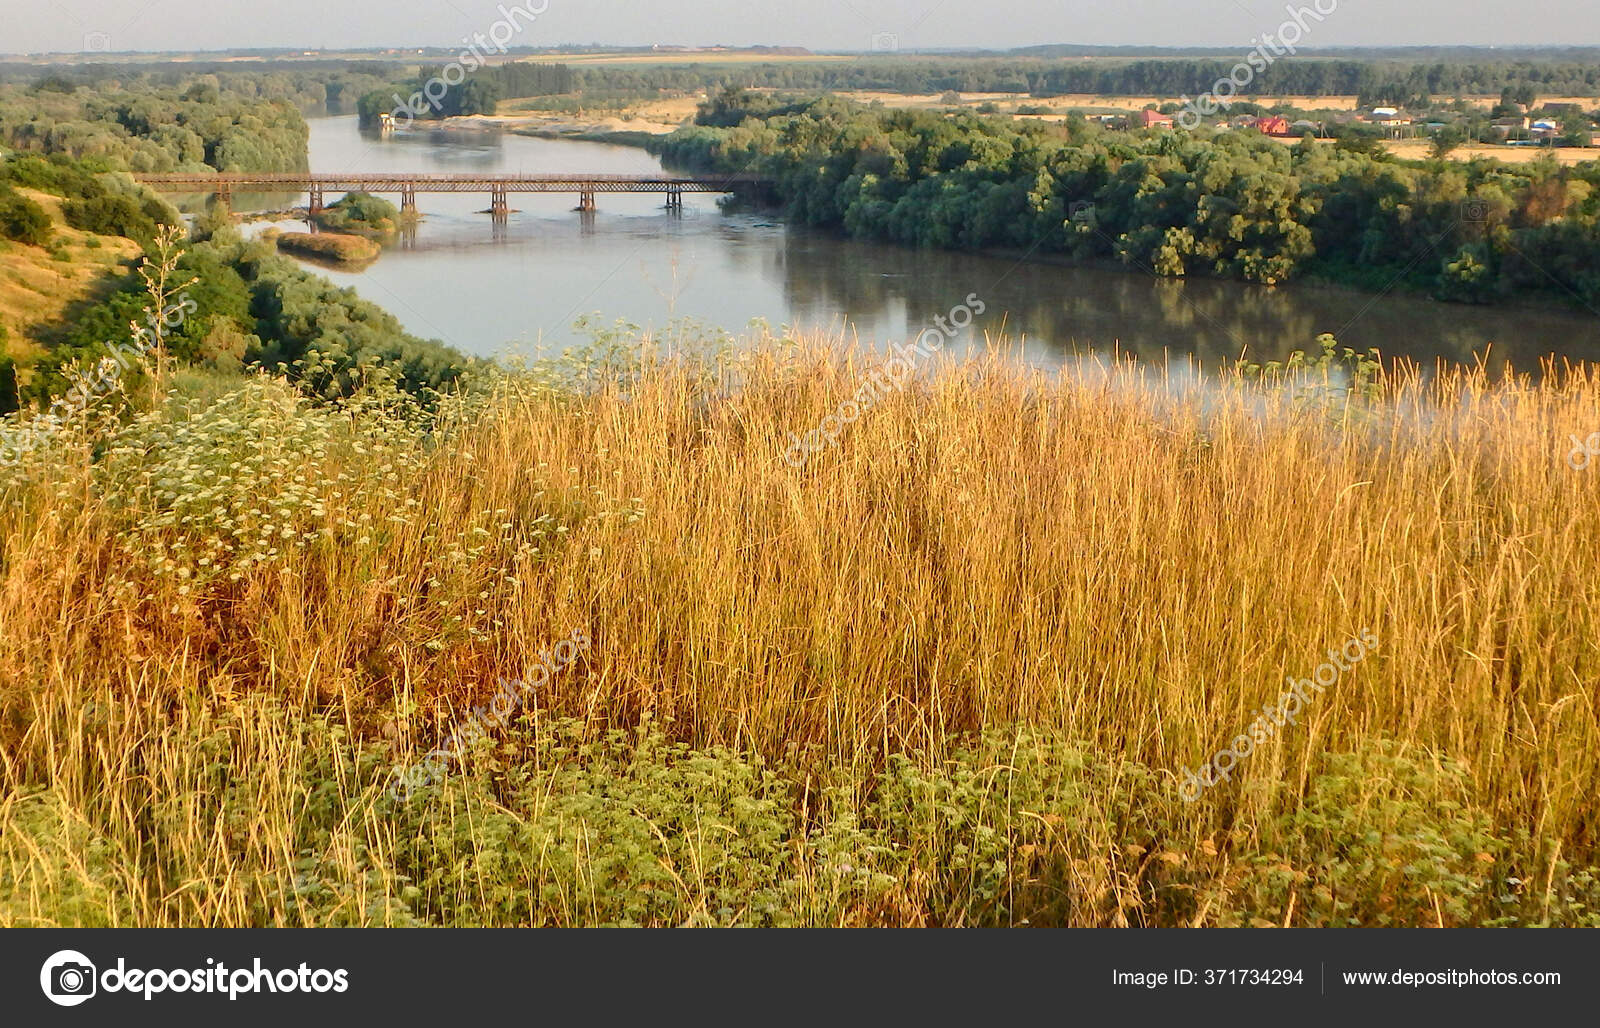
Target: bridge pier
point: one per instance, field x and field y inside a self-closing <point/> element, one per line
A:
<point x="409" y="184"/>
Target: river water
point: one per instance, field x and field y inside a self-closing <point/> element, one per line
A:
<point x="523" y="287"/>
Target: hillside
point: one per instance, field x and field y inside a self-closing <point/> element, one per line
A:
<point x="41" y="286"/>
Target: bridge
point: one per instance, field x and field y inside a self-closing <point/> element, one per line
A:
<point x="499" y="187"/>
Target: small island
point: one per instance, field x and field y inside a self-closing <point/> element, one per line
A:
<point x="354" y="229"/>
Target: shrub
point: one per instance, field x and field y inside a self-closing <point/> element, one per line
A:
<point x="109" y="215"/>
<point x="360" y="213"/>
<point x="22" y="219"/>
<point x="10" y="402"/>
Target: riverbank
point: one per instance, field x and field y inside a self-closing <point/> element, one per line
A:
<point x="635" y="119"/>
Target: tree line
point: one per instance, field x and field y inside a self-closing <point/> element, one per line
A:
<point x="431" y="93"/>
<point x="1229" y="204"/>
<point x="1375" y="81"/>
<point x="202" y="127"/>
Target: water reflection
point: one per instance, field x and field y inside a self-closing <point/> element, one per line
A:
<point x="485" y="284"/>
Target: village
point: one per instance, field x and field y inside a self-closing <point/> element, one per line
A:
<point x="1508" y="122"/>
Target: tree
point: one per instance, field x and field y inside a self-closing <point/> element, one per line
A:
<point x="1576" y="131"/>
<point x="474" y="96"/>
<point x="1446" y="141"/>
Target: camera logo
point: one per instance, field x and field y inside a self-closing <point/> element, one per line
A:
<point x="68" y="978"/>
<point x="885" y="42"/>
<point x="1081" y="212"/>
<point x="1474" y="212"/>
<point x="96" y="43"/>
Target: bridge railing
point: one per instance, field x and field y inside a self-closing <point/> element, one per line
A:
<point x="434" y="183"/>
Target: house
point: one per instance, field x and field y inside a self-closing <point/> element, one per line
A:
<point x="1274" y="125"/>
<point x="1154" y="119"/>
<point x="1544" y="130"/>
<point x="1504" y="127"/>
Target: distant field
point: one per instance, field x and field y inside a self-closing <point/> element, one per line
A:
<point x="652" y="116"/>
<point x="1418" y="148"/>
<point x="729" y="57"/>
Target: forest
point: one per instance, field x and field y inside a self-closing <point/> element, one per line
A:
<point x="428" y="94"/>
<point x="1397" y="76"/>
<point x="1375" y="81"/>
<point x="1229" y="204"/>
<point x="201" y="127"/>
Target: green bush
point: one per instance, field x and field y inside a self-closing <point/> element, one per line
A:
<point x="360" y="213"/>
<point x="110" y="215"/>
<point x="22" y="219"/>
<point x="10" y="402"/>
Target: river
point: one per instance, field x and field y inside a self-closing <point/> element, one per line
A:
<point x="523" y="288"/>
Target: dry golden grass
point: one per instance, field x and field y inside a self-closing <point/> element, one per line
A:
<point x="1091" y="555"/>
<point x="37" y="287"/>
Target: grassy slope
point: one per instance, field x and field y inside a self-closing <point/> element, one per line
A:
<point x="220" y="642"/>
<point x="38" y="288"/>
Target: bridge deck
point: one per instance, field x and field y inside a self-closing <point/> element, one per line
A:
<point x="388" y="183"/>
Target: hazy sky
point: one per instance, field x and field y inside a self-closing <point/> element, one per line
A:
<point x="72" y="25"/>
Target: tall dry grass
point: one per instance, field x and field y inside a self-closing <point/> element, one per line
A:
<point x="1106" y="556"/>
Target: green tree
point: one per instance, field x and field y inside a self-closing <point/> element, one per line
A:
<point x="1446" y="141"/>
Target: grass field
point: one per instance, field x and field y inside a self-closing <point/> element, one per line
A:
<point x="950" y="671"/>
<point x="39" y="285"/>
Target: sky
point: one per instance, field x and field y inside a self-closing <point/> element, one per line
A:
<point x="160" y="25"/>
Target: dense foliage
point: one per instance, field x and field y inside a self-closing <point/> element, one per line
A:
<point x="315" y="87"/>
<point x="253" y="307"/>
<point x="360" y="213"/>
<point x="428" y="94"/>
<point x="1229" y="204"/>
<point x="93" y="198"/>
<point x="196" y="129"/>
<point x="250" y="307"/>
<point x="1375" y="80"/>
